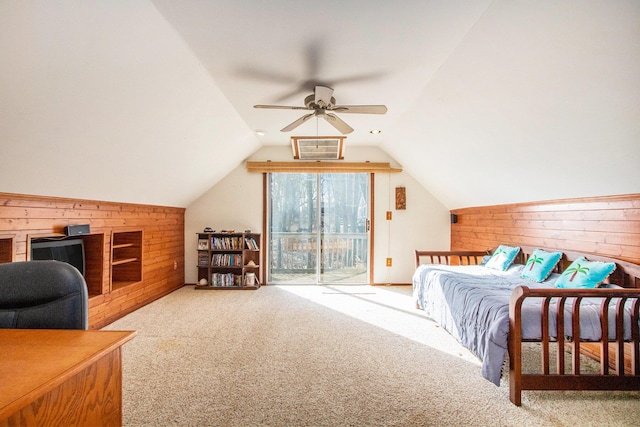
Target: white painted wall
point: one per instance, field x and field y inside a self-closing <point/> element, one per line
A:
<point x="540" y="101"/>
<point x="423" y="225"/>
<point x="236" y="203"/>
<point x="104" y="101"/>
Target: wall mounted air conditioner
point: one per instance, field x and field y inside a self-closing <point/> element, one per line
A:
<point x="318" y="147"/>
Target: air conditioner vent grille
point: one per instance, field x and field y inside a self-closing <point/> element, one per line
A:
<point x="318" y="148"/>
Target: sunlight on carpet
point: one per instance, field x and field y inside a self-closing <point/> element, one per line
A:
<point x="387" y="307"/>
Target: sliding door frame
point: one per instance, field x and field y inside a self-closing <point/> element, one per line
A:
<point x="265" y="192"/>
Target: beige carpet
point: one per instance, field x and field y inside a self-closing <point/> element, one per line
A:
<point x="323" y="356"/>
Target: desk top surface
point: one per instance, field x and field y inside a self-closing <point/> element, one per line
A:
<point x="34" y="361"/>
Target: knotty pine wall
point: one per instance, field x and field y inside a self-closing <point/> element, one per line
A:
<point x="24" y="216"/>
<point x="608" y="226"/>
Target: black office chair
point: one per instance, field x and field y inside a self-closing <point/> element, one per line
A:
<point x="43" y="295"/>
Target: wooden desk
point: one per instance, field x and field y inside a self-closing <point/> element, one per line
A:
<point x="61" y="377"/>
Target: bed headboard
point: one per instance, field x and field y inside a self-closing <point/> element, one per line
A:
<point x="626" y="273"/>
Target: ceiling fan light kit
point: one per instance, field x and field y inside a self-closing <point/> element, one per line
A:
<point x="323" y="105"/>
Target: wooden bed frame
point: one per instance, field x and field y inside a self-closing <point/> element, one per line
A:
<point x="619" y="360"/>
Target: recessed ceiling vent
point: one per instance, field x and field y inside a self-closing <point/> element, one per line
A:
<point x="318" y="147"/>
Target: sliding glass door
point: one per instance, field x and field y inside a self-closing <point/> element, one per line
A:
<point x="318" y="228"/>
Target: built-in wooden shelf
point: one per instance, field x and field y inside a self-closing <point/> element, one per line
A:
<point x="94" y="263"/>
<point x="126" y="258"/>
<point x="6" y="249"/>
<point x="124" y="261"/>
<point x="124" y="245"/>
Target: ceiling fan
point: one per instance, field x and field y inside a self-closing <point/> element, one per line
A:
<point x="323" y="104"/>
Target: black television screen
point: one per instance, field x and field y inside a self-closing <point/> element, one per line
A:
<point x="70" y="251"/>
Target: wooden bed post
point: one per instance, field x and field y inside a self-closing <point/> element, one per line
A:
<point x="515" y="345"/>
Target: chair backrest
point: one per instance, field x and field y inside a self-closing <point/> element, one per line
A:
<point x="43" y="295"/>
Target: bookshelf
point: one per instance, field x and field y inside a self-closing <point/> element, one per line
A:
<point x="229" y="260"/>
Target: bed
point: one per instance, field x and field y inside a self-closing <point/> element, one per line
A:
<point x="493" y="311"/>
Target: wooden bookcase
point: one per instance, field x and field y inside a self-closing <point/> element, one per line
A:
<point x="229" y="260"/>
<point x="126" y="258"/>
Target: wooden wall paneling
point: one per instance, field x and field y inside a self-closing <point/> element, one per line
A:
<point x="22" y="216"/>
<point x="608" y="226"/>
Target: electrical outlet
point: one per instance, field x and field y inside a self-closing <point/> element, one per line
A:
<point x="175" y="265"/>
<point x="388" y="215"/>
<point x="389" y="262"/>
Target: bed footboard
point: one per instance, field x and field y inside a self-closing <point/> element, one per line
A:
<point x="612" y="353"/>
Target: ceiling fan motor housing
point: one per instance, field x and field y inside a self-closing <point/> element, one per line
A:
<point x="310" y="102"/>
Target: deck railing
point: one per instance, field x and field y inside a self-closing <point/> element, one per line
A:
<point x="297" y="252"/>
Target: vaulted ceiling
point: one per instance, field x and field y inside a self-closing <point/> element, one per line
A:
<point x="151" y="101"/>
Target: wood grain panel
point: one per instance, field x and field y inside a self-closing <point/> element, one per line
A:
<point x="22" y="216"/>
<point x="608" y="226"/>
<point x="91" y="398"/>
<point x="80" y="385"/>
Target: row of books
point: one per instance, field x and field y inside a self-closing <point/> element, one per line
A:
<point x="251" y="243"/>
<point x="227" y="243"/>
<point x="219" y="260"/>
<point x="226" y="260"/>
<point x="226" y="279"/>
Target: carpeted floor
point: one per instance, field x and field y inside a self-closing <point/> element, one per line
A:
<point x="323" y="356"/>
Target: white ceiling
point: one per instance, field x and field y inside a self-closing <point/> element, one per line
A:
<point x="151" y="101"/>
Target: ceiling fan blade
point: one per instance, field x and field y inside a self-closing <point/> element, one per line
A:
<point x="323" y="95"/>
<point x="281" y="107"/>
<point x="337" y="123"/>
<point x="265" y="75"/>
<point x="360" y="109"/>
<point x="357" y="78"/>
<point x="297" y="123"/>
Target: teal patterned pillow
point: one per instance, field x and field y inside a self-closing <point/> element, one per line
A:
<point x="585" y="274"/>
<point x="502" y="257"/>
<point x="540" y="265"/>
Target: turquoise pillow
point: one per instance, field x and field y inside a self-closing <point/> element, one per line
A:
<point x="585" y="274"/>
<point x="502" y="257"/>
<point x="540" y="265"/>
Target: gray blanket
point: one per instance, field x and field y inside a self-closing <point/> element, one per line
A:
<point x="472" y="304"/>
